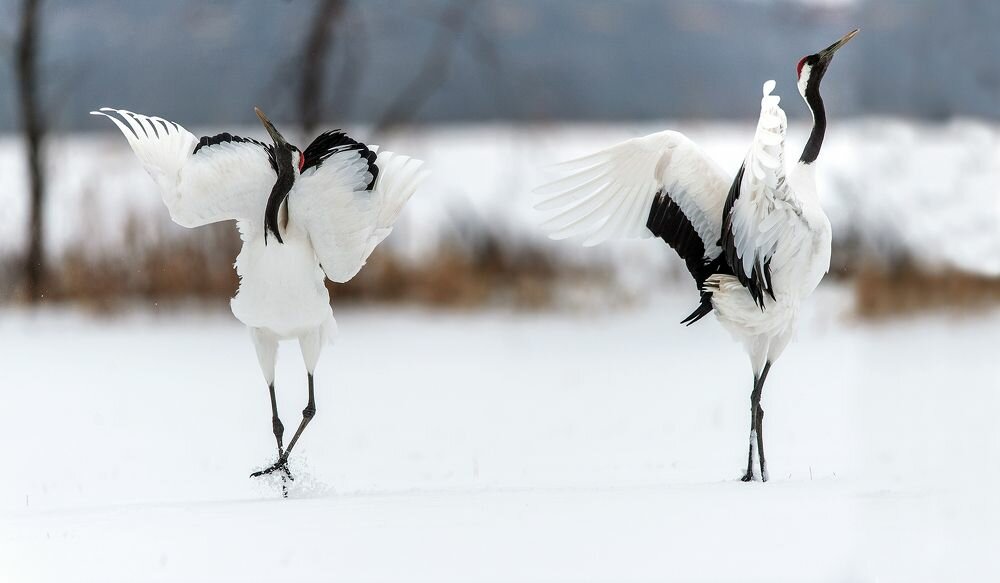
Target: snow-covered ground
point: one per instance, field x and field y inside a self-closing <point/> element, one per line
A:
<point x="500" y="446"/>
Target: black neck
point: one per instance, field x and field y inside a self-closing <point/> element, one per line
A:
<point x="815" y="103"/>
<point x="280" y="190"/>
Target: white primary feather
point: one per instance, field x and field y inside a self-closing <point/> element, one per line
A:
<point x="767" y="211"/>
<point x="225" y="181"/>
<point x="608" y="195"/>
<point x="344" y="221"/>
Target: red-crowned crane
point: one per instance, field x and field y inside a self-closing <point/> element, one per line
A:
<point x="303" y="216"/>
<point x="756" y="245"/>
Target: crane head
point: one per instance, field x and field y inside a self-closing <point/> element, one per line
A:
<point x="811" y="68"/>
<point x="279" y="141"/>
<point x="288" y="163"/>
<point x="276" y="136"/>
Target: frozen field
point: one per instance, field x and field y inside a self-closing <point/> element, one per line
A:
<point x="500" y="447"/>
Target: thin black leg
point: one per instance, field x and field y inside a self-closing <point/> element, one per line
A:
<point x="279" y="432"/>
<point x="307" y="414"/>
<point x="748" y="476"/>
<point x="756" y="426"/>
<point x="760" y="423"/>
<point x="276" y="426"/>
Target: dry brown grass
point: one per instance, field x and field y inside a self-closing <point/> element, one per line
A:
<point x="882" y="292"/>
<point x="155" y="268"/>
<point x="489" y="274"/>
<point x="149" y="267"/>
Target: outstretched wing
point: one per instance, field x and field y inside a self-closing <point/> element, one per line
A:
<point x="347" y="199"/>
<point x="661" y="185"/>
<point x="203" y="181"/>
<point x="760" y="210"/>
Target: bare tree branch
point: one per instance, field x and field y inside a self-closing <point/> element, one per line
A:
<point x="313" y="62"/>
<point x="349" y="76"/>
<point x="434" y="71"/>
<point x="26" y="64"/>
<point x="484" y="48"/>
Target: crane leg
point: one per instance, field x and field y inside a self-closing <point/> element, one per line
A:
<point x="282" y="464"/>
<point x="307" y="414"/>
<point x="311" y="344"/>
<point x="757" y="428"/>
<point x="279" y="432"/>
<point x="760" y="442"/>
<point x="276" y="426"/>
<point x="266" y="345"/>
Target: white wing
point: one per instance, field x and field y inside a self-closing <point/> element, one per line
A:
<point x="611" y="194"/>
<point x="761" y="210"/>
<point x="219" y="178"/>
<point x="344" y="219"/>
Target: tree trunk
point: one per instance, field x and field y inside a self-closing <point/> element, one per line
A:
<point x="314" y="54"/>
<point x="26" y="65"/>
<point x="434" y="70"/>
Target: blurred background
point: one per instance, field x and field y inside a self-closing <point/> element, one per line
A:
<point x="551" y="381"/>
<point x="490" y="92"/>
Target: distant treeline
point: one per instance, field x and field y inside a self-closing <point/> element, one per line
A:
<point x="209" y="63"/>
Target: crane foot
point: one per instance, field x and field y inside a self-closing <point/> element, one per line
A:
<point x="279" y="466"/>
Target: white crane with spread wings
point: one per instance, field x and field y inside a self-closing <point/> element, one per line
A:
<point x="756" y="246"/>
<point x="303" y="216"/>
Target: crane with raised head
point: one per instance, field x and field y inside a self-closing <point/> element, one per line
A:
<point x="756" y="246"/>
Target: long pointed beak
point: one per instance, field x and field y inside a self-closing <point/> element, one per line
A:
<point x="827" y="53"/>
<point x="275" y="135"/>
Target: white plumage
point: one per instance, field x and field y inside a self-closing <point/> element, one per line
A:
<point x="607" y="195"/>
<point x="330" y="219"/>
<point x="344" y="221"/>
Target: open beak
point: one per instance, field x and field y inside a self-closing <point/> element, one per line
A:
<point x="827" y="53"/>
<point x="279" y="140"/>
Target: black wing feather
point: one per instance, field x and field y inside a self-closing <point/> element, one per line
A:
<point x="331" y="142"/>
<point x="758" y="282"/>
<point x="667" y="221"/>
<point x="225" y="137"/>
